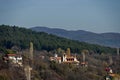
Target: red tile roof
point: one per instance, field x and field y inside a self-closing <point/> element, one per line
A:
<point x="11" y="54"/>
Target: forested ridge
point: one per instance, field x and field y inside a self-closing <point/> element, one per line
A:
<point x="17" y="36"/>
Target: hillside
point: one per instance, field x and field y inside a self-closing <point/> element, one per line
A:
<point x="55" y="71"/>
<point x="20" y="37"/>
<point x="43" y="68"/>
<point x="106" y="39"/>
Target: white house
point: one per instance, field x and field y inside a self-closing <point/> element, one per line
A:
<point x="56" y="58"/>
<point x="14" y="58"/>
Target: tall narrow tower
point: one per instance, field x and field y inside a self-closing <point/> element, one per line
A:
<point x="110" y="60"/>
<point x="68" y="52"/>
<point x="83" y="54"/>
<point x="31" y="51"/>
<point x="28" y="66"/>
<point x="28" y="72"/>
<point x="118" y="51"/>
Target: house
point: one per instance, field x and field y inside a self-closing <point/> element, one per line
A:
<point x="56" y="58"/>
<point x="68" y="59"/>
<point x="13" y="58"/>
<point x="84" y="64"/>
<point x="111" y="75"/>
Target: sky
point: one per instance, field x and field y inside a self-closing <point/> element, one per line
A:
<point x="91" y="15"/>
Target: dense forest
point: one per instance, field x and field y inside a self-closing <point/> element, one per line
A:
<point x="11" y="36"/>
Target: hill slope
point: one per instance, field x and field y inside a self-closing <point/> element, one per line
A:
<point x="106" y="39"/>
<point x="15" y="36"/>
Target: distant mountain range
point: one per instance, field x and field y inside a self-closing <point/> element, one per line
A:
<point x="106" y="39"/>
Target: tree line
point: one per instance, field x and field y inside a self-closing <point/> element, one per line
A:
<point x="11" y="36"/>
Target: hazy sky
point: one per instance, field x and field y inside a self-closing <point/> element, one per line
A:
<point x="91" y="15"/>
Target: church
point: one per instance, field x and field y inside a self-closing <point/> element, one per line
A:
<point x="66" y="58"/>
<point x="69" y="59"/>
